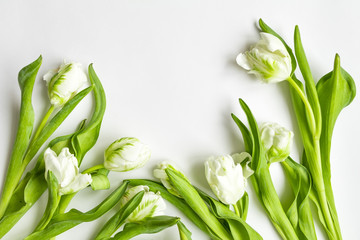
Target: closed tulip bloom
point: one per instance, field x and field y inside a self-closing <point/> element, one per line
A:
<point x="151" y="204"/>
<point x="163" y="177"/>
<point x="66" y="170"/>
<point x="276" y="141"/>
<point x="268" y="59"/>
<point x="126" y="154"/>
<point x="64" y="83"/>
<point x="227" y="179"/>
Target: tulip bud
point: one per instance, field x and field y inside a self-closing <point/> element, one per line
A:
<point x="66" y="170"/>
<point x="276" y="141"/>
<point x="269" y="59"/>
<point x="227" y="179"/>
<point x="126" y="154"/>
<point x="151" y="204"/>
<point x="163" y="177"/>
<point x="64" y="83"/>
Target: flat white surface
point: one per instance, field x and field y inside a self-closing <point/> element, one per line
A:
<point x="170" y="78"/>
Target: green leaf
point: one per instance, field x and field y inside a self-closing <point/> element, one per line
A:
<point x="119" y="218"/>
<point x="53" y="201"/>
<point x="299" y="212"/>
<point x="26" y="81"/>
<point x="309" y="81"/>
<point x="336" y="90"/>
<point x="86" y="139"/>
<point x="267" y="29"/>
<point x="243" y="205"/>
<point x="194" y="200"/>
<point x="246" y="134"/>
<point x="177" y="202"/>
<point x="240" y="230"/>
<point x="150" y="225"/>
<point x="184" y="233"/>
<point x="63" y="222"/>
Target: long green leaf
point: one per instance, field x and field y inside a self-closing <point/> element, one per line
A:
<point x="119" y="218"/>
<point x="240" y="230"/>
<point x="184" y="233"/>
<point x="336" y="90"/>
<point x="309" y="81"/>
<point x="299" y="212"/>
<point x="26" y="81"/>
<point x="194" y="200"/>
<point x="150" y="225"/>
<point x="63" y="222"/>
<point x="85" y="140"/>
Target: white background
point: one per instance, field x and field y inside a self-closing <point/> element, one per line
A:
<point x="169" y="72"/>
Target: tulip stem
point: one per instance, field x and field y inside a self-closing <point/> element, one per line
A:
<point x="93" y="169"/>
<point x="308" y="107"/>
<point x="43" y="122"/>
<point x="236" y="209"/>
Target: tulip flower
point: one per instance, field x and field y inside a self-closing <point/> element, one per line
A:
<point x="276" y="141"/>
<point x="126" y="154"/>
<point x="227" y="179"/>
<point x="269" y="59"/>
<point x="151" y="204"/>
<point x="66" y="170"/>
<point x="64" y="83"/>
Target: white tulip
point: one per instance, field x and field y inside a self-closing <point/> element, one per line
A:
<point x="126" y="154"/>
<point x="227" y="179"/>
<point x="151" y="204"/>
<point x="65" y="169"/>
<point x="268" y="59"/>
<point x="64" y="83"/>
<point x="276" y="141"/>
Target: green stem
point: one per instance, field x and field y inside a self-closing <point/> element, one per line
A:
<point x="43" y="122"/>
<point x="308" y="108"/>
<point x="320" y="189"/>
<point x="93" y="169"/>
<point x="236" y="209"/>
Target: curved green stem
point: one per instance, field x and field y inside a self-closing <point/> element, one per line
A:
<point x="308" y="108"/>
<point x="236" y="209"/>
<point x="43" y="122"/>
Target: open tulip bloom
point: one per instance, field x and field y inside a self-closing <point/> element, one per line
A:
<point x="317" y="106"/>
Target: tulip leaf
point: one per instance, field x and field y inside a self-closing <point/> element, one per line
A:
<point x="240" y="230"/>
<point x="65" y="221"/>
<point x="53" y="201"/>
<point x="184" y="233"/>
<point x="194" y="200"/>
<point x="336" y="90"/>
<point x="176" y="201"/>
<point x="312" y="95"/>
<point x="299" y="212"/>
<point x="264" y="27"/>
<point x="246" y="134"/>
<point x="243" y="205"/>
<point x="86" y="139"/>
<point x="26" y="79"/>
<point x="150" y="225"/>
<point x="119" y="218"/>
